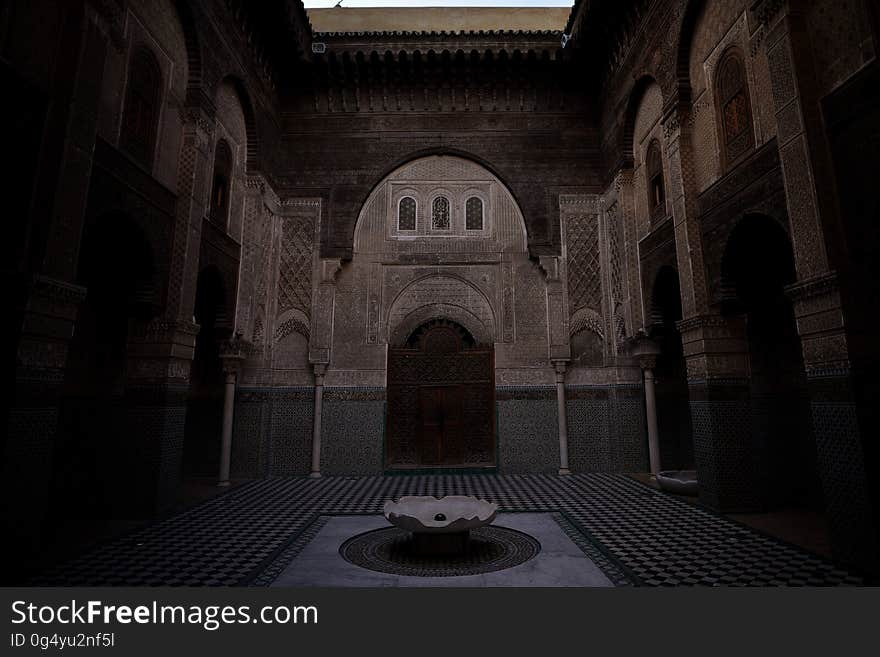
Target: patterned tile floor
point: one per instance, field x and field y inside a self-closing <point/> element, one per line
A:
<point x="640" y="535"/>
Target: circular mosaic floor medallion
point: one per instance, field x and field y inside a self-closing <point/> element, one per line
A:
<point x="389" y="550"/>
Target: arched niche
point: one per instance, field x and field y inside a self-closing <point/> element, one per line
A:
<point x="479" y="277"/>
<point x="424" y="180"/>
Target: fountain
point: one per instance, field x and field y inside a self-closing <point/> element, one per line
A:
<point x="440" y="526"/>
<point x="680" y="482"/>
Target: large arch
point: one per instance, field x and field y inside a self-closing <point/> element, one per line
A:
<point x="407" y="272"/>
<point x="193" y="47"/>
<point x="686" y="28"/>
<point x="201" y="446"/>
<point x="413" y="156"/>
<point x="670" y="371"/>
<point x="92" y="469"/>
<point x="252" y="152"/>
<point x="432" y="169"/>
<point x="634" y="101"/>
<point x="418" y="274"/>
<point x="757" y="267"/>
<point x="234" y="131"/>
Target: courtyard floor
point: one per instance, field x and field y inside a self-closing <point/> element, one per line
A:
<point x="262" y="533"/>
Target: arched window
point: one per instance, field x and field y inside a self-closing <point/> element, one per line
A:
<point x="219" y="211"/>
<point x="474" y="213"/>
<point x="654" y="175"/>
<point x="141" y="113"/>
<point x="440" y="213"/>
<point x="734" y="109"/>
<point x="406" y="214"/>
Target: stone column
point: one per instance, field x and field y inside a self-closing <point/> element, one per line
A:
<point x="842" y="399"/>
<point x="232" y="358"/>
<point x="48" y="320"/>
<point x="717" y="356"/>
<point x="160" y="353"/>
<point x="677" y="130"/>
<point x="320" y="343"/>
<point x="647" y="364"/>
<point x="159" y="356"/>
<point x="840" y="381"/>
<point x="646" y="350"/>
<point x="226" y="434"/>
<point x="320" y="369"/>
<point x="560" y="367"/>
<point x="560" y="349"/>
<point x="193" y="187"/>
<point x="623" y="184"/>
<point x="42" y="299"/>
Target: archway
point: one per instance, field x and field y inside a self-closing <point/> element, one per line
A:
<point x="93" y="461"/>
<point x="673" y="409"/>
<point x="758" y="263"/>
<point x="204" y="412"/>
<point x="441" y="399"/>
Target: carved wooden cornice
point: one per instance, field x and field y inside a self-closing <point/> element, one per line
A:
<point x="429" y="78"/>
<point x="485" y="43"/>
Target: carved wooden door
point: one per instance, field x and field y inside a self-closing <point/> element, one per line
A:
<point x="441" y="428"/>
<point x="441" y="400"/>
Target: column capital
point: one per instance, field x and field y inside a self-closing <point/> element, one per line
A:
<point x="648" y="363"/>
<point x="53" y="297"/>
<point x="232" y="354"/>
<point x="821" y="323"/>
<point x="715" y="347"/>
<point x="643" y="349"/>
<point x="560" y="367"/>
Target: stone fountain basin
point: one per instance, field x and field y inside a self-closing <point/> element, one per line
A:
<point x="680" y="482"/>
<point x="444" y="515"/>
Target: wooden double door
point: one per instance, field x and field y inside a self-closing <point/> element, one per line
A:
<point x="441" y="401"/>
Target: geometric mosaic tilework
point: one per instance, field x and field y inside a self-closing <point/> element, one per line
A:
<point x="588" y="439"/>
<point x="290" y="446"/>
<point x="722" y="431"/>
<point x="272" y="433"/>
<point x="524" y="445"/>
<point x="356" y="445"/>
<point x="652" y="538"/>
<point x="629" y="449"/>
<point x="843" y="476"/>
